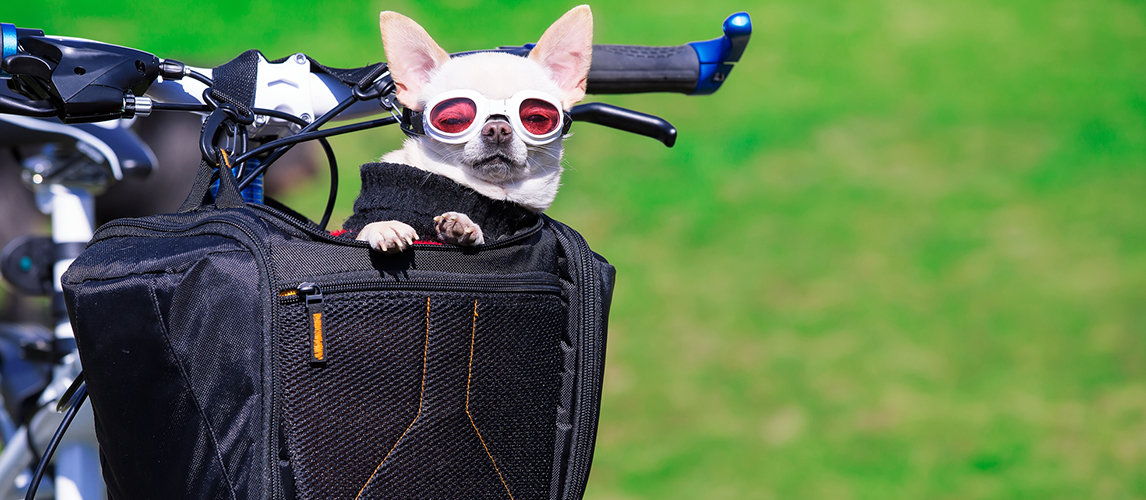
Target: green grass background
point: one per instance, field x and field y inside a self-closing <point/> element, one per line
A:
<point x="901" y="254"/>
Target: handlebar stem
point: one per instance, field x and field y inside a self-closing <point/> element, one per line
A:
<point x="285" y="87"/>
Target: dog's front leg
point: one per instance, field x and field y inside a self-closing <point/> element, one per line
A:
<point x="389" y="236"/>
<point x="457" y="229"/>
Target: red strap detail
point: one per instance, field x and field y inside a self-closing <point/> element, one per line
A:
<point x="340" y="232"/>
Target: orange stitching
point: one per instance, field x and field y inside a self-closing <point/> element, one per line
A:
<point x="470" y="376"/>
<point x="425" y="355"/>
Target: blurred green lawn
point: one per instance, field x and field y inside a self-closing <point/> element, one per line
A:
<point x="900" y="255"/>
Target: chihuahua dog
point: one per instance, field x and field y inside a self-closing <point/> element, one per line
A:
<point x="492" y="122"/>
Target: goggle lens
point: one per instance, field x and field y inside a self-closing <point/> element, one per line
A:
<point x="453" y="115"/>
<point x="539" y="117"/>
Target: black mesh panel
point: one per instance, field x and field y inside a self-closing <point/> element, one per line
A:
<point x="386" y="417"/>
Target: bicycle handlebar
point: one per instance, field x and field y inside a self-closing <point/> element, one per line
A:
<point x="696" y="68"/>
<point x="91" y="81"/>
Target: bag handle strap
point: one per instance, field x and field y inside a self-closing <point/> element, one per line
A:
<point x="228" y="194"/>
<point x="234" y="87"/>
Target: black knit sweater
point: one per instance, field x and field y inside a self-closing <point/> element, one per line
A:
<point x="392" y="191"/>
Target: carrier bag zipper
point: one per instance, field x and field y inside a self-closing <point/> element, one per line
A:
<point x="590" y="338"/>
<point x="301" y="293"/>
<point x="312" y="295"/>
<point x="588" y="406"/>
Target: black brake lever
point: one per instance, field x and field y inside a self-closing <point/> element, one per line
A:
<point x="625" y="119"/>
<point x="86" y="81"/>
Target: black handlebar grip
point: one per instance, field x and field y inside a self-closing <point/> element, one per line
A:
<point x="631" y="69"/>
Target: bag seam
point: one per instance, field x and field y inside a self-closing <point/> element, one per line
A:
<point x="194" y="399"/>
<point x="169" y="270"/>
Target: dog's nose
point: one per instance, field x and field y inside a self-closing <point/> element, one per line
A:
<point x="497" y="131"/>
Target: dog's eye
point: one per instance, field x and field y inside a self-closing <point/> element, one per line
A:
<point x="539" y="117"/>
<point x="453" y="115"/>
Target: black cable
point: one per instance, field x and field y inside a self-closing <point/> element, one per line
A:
<point x="201" y="77"/>
<point x="333" y="184"/>
<point x="240" y="148"/>
<point x="178" y="106"/>
<point x="330" y="160"/>
<point x="309" y="132"/>
<point x="236" y="115"/>
<point x="301" y="137"/>
<point x="274" y="113"/>
<point x="318" y="122"/>
<point x="208" y="100"/>
<point x="75" y="403"/>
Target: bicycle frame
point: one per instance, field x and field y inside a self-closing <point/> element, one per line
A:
<point x="70" y="205"/>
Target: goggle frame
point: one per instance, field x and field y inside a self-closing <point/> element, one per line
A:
<point x="486" y="107"/>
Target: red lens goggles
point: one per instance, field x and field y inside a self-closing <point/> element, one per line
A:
<point x="458" y="116"/>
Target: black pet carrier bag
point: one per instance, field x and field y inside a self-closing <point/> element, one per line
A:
<point x="236" y="351"/>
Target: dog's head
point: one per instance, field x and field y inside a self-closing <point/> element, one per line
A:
<point x="495" y="116"/>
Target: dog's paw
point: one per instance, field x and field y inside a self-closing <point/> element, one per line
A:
<point x="388" y="236"/>
<point x="457" y="229"/>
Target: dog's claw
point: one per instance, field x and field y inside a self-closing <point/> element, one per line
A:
<point x="388" y="236"/>
<point x="457" y="229"/>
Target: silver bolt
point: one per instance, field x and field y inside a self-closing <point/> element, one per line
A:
<point x="300" y="58"/>
<point x="261" y="119"/>
<point x="305" y="117"/>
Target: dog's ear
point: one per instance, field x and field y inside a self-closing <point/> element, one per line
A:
<point x="566" y="50"/>
<point x="411" y="54"/>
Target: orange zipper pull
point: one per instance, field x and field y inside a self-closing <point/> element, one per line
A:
<point x="314" y="309"/>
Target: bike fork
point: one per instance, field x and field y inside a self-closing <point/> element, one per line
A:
<point x="78" y="474"/>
